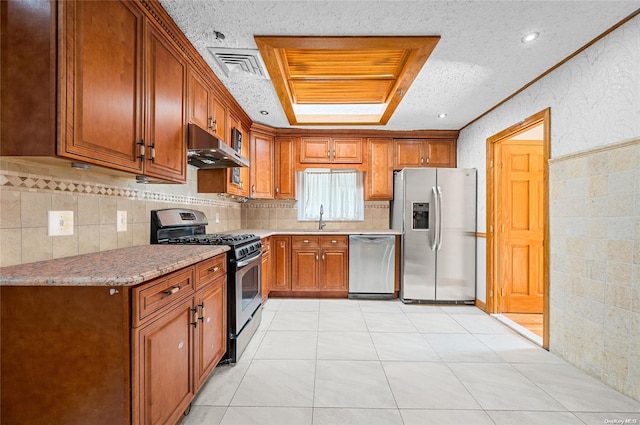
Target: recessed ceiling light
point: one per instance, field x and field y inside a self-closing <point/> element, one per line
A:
<point x="530" y="37"/>
<point x="264" y="112"/>
<point x="442" y="115"/>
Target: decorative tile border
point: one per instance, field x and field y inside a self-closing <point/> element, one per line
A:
<point x="30" y="182"/>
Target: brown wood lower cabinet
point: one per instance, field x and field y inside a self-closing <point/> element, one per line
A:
<point x="319" y="263"/>
<point x="266" y="269"/>
<point x="111" y="355"/>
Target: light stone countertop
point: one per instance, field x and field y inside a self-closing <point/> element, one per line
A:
<point x="117" y="267"/>
<point x="263" y="233"/>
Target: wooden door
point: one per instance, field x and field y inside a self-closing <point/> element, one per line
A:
<point x="521" y="225"/>
<point x="211" y="333"/>
<point x="103" y="119"/>
<point x="261" y="166"/>
<point x="346" y="150"/>
<point x="334" y="273"/>
<point x="305" y="269"/>
<point x="315" y="150"/>
<point x="285" y="183"/>
<point x="165" y="383"/>
<point x="441" y="154"/>
<point x="281" y="257"/>
<point x="408" y="153"/>
<point x="379" y="180"/>
<point x="166" y="138"/>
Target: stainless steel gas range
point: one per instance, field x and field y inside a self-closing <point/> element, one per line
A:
<point x="244" y="261"/>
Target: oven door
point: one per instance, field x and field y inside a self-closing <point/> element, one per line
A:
<point x="248" y="281"/>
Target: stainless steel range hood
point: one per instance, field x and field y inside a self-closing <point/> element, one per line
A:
<point x="206" y="151"/>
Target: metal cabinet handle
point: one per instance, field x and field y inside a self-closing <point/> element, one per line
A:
<point x="195" y="317"/>
<point x="201" y="317"/>
<point x="323" y="257"/>
<point x="213" y="125"/>
<point x="334" y="241"/>
<point x="277" y="190"/>
<point x="253" y="188"/>
<point x="152" y="158"/>
<point x="334" y="154"/>
<point x="428" y="160"/>
<point x="214" y="269"/>
<point x="316" y="257"/>
<point x="172" y="290"/>
<point x="141" y="149"/>
<point x="328" y="154"/>
<point x="421" y="161"/>
<point x="305" y="241"/>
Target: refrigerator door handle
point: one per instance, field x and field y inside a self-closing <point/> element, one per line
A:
<point x="434" y="244"/>
<point x="439" y="217"/>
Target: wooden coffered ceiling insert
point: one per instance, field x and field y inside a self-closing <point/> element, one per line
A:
<point x="343" y="80"/>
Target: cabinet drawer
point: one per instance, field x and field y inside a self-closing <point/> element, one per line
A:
<point x="305" y="242"/>
<point x="150" y="298"/>
<point x="334" y="241"/>
<point x="211" y="269"/>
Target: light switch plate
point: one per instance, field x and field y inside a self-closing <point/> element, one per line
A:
<point x="60" y="223"/>
<point x="121" y="221"/>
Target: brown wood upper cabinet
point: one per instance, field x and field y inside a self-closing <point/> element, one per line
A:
<point x="423" y="153"/>
<point x="262" y="166"/>
<point x="118" y="64"/>
<point x="284" y="169"/>
<point x="338" y="150"/>
<point x="205" y="110"/>
<point x="379" y="177"/>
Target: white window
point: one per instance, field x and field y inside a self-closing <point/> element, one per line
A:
<point x="339" y="192"/>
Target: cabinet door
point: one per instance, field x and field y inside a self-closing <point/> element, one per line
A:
<point x="266" y="275"/>
<point x="198" y="101"/>
<point x="164" y="369"/>
<point x="346" y="150"/>
<point x="304" y="269"/>
<point x="379" y="181"/>
<point x="261" y="166"/>
<point x="281" y="257"/>
<point x="211" y="331"/>
<point x="219" y="124"/>
<point x="103" y="118"/>
<point x="408" y="153"/>
<point x="166" y="151"/>
<point x="315" y="150"/>
<point x="334" y="272"/>
<point x="441" y="154"/>
<point x="285" y="182"/>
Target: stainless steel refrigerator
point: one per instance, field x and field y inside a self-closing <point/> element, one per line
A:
<point x="435" y="210"/>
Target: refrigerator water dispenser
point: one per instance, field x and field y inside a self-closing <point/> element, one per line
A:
<point x="420" y="216"/>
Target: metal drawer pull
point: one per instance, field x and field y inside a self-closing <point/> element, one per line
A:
<point x="334" y="241"/>
<point x="172" y="290"/>
<point x="305" y="241"/>
<point x="214" y="269"/>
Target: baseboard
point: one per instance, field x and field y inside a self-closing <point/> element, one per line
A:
<point x="482" y="306"/>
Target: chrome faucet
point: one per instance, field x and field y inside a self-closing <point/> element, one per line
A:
<point x="321" y="223"/>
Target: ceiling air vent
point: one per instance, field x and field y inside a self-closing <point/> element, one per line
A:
<point x="239" y="60"/>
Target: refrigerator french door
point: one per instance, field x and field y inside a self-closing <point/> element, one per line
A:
<point x="435" y="210"/>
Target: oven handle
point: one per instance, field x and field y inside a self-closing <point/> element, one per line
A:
<point x="249" y="260"/>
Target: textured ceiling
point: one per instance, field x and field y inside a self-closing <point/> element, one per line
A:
<point x="478" y="62"/>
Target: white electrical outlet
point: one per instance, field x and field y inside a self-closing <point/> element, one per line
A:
<point x="60" y="223"/>
<point x="121" y="225"/>
<point x="217" y="217"/>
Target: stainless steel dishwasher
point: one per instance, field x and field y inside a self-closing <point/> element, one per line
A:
<point x="372" y="260"/>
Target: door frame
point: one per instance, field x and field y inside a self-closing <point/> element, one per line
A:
<point x="492" y="296"/>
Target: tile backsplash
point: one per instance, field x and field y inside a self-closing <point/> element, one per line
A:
<point x="30" y="188"/>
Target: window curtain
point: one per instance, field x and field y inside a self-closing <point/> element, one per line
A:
<point x="340" y="192"/>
